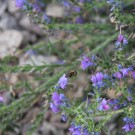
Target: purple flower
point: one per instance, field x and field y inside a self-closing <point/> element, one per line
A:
<point x="54" y="108"/>
<point x="117" y="44"/>
<point x="1" y="99"/>
<point x="78" y="130"/>
<point x="121" y="42"/>
<point x="125" y="41"/>
<point x="97" y="79"/>
<point x="79" y="20"/>
<point x="63" y="81"/>
<point x="46" y="19"/>
<point x="106" y="76"/>
<point x="117" y="75"/>
<point x="30" y="52"/>
<point x="86" y="62"/>
<point x="58" y="100"/>
<point x="36" y="7"/>
<point x="119" y="66"/>
<point x="104" y="106"/>
<point x="66" y="4"/>
<point x="133" y="74"/>
<point x="81" y="1"/>
<point x="116" y="107"/>
<point x="115" y="104"/>
<point x="75" y="130"/>
<point x="130" y="125"/>
<point x="120" y="38"/>
<point x="20" y="3"/>
<point x="130" y="98"/>
<point x="125" y="71"/>
<point x="77" y="9"/>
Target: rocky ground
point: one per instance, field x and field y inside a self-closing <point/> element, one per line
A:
<point x="16" y="32"/>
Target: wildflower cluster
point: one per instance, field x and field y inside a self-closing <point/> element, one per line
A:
<point x="101" y="81"/>
<point x="58" y="100"/>
<point x="37" y="5"/>
<point x="35" y="8"/>
<point x="123" y="72"/>
<point x="79" y="130"/>
<point x="43" y="11"/>
<point x="87" y="62"/>
<point x="130" y="124"/>
<point x="88" y="114"/>
<point x="63" y="81"/>
<point x="97" y="80"/>
<point x="121" y="42"/>
<point x="104" y="106"/>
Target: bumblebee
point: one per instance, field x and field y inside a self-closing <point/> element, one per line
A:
<point x="32" y="1"/>
<point x="71" y="74"/>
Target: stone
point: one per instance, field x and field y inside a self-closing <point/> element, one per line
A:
<point x="28" y="37"/>
<point x="10" y="40"/>
<point x="55" y="10"/>
<point x="11" y="6"/>
<point x="3" y="7"/>
<point x="25" y="22"/>
<point x="8" y="22"/>
<point x="37" y="60"/>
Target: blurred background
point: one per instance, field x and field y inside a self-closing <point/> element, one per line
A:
<point x="26" y="46"/>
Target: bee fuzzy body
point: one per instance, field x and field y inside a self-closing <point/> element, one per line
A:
<point x="71" y="74"/>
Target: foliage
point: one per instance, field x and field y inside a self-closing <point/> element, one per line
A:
<point x="106" y="72"/>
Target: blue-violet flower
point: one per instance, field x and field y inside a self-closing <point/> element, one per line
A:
<point x="63" y="81"/>
<point x="104" y="106"/>
<point x="20" y="3"/>
<point x="97" y="79"/>
<point x="58" y="100"/>
<point x="130" y="124"/>
<point x="86" y="62"/>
